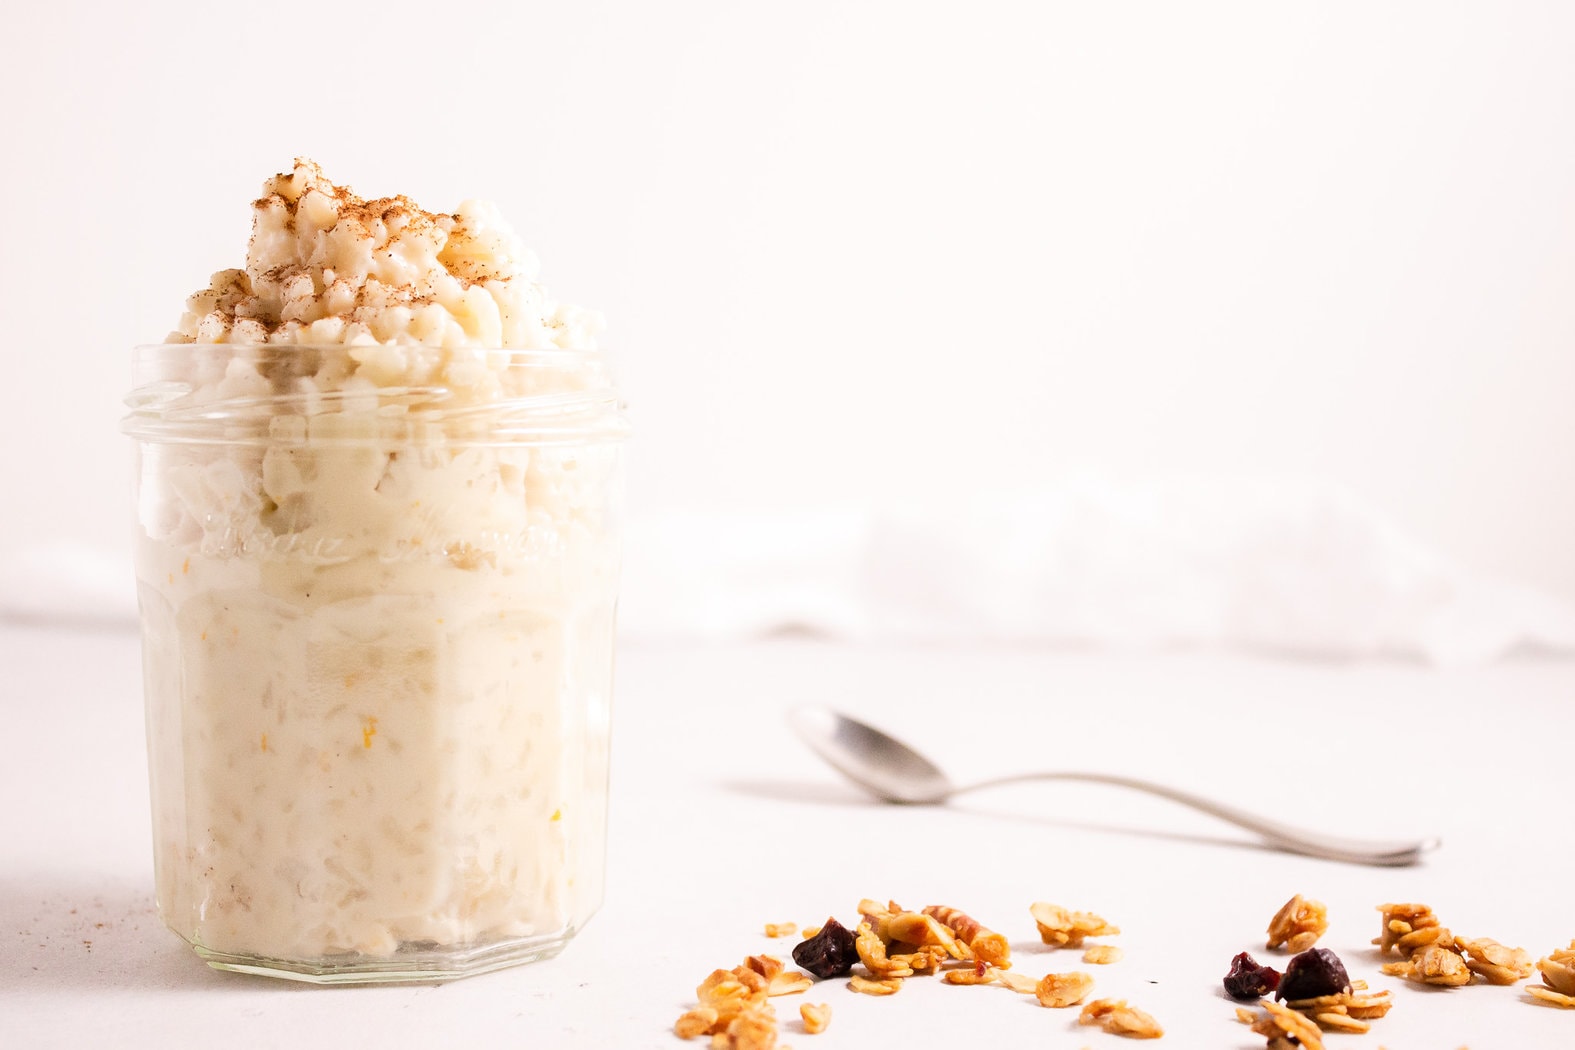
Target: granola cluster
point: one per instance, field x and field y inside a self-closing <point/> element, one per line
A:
<point x="734" y="1005"/>
<point x="1432" y="954"/>
<point x="1298" y="924"/>
<point x="1348" y="1010"/>
<point x="1061" y="928"/>
<point x="1558" y="978"/>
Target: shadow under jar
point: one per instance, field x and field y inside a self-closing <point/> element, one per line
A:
<point x="378" y="589"/>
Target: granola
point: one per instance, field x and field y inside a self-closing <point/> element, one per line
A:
<point x="816" y="1017"/>
<point x="1067" y="929"/>
<point x="1102" y="954"/>
<point x="888" y="986"/>
<point x="1285" y="1028"/>
<point x="734" y="1010"/>
<point x="1494" y="962"/>
<point x="1298" y="924"/>
<point x="872" y="953"/>
<point x="1117" y="1018"/>
<point x="1558" y="977"/>
<point x="1063" y="989"/>
<point x="984" y="942"/>
<point x="1346" y="1011"/>
<point x="1017" y="982"/>
<point x="1434" y="955"/>
<point x="896" y="925"/>
<point x="1407" y="927"/>
<point x="781" y="929"/>
<point x="980" y="974"/>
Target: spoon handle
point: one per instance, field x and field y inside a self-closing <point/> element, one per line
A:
<point x="1276" y="834"/>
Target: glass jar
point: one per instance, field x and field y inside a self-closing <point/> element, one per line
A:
<point x="378" y="588"/>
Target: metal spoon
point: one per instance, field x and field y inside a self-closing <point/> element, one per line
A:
<point x="895" y="772"/>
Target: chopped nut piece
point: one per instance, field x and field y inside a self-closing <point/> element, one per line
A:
<point x="1063" y="928"/>
<point x="696" y="1022"/>
<point x="1063" y="989"/>
<point x="1102" y="954"/>
<point x="809" y="932"/>
<point x="816" y="1017"/>
<point x="781" y="929"/>
<point x="1298" y="924"/>
<point x="887" y="986"/>
<point x="1244" y="1015"/>
<point x="1117" y="1018"/>
<point x="1494" y="962"/>
<point x="985" y="943"/>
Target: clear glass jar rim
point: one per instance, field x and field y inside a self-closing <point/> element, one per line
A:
<point x="161" y="409"/>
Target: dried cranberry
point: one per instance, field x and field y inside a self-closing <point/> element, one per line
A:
<point x="1315" y="972"/>
<point x="830" y="953"/>
<point x="1248" y="980"/>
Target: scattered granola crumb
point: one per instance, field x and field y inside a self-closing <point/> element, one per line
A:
<point x="1117" y="1018"/>
<point x="816" y="1017"/>
<point x="1102" y="954"/>
<point x="980" y="974"/>
<point x="1063" y="989"/>
<point x="888" y="986"/>
<point x="809" y="932"/>
<point x="1017" y="982"/>
<point x="781" y="929"/>
<point x="695" y="1022"/>
<point x="789" y="982"/>
<point x="1298" y="924"/>
<point x="1067" y="929"/>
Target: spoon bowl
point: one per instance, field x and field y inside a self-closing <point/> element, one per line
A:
<point x="894" y="772"/>
<point x="876" y="761"/>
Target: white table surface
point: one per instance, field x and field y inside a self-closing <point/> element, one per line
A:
<point x="722" y="822"/>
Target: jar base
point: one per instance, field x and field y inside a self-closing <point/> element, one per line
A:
<point x="414" y="964"/>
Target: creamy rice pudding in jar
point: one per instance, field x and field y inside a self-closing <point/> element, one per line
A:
<point x="378" y="502"/>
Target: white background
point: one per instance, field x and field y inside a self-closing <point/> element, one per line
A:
<point x="854" y="251"/>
